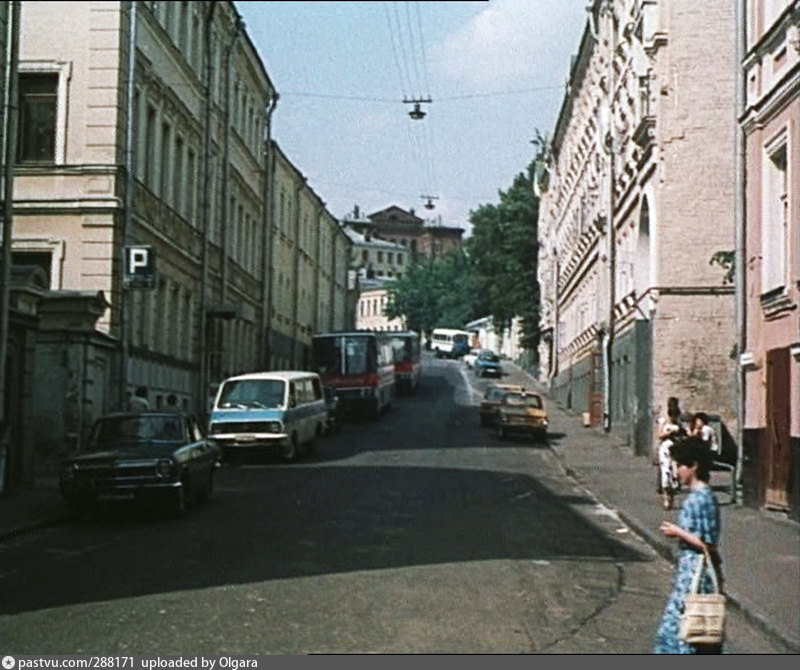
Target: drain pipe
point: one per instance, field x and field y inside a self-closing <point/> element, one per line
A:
<point x="267" y="274"/>
<point x="202" y="390"/>
<point x="740" y="254"/>
<point x="226" y="168"/>
<point x="127" y="216"/>
<point x="11" y="109"/>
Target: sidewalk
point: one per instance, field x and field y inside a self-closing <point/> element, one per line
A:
<point x="760" y="550"/>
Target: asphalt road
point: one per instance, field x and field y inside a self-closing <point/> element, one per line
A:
<point x="418" y="532"/>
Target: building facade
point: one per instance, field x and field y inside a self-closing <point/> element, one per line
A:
<point x="637" y="195"/>
<point x="309" y="267"/>
<point x="375" y="258"/>
<point x="770" y="257"/>
<point x="394" y="224"/>
<point x="372" y="300"/>
<point x="149" y="132"/>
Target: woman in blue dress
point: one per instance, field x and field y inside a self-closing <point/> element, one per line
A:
<point x="697" y="528"/>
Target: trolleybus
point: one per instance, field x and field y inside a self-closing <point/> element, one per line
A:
<point x="359" y="365"/>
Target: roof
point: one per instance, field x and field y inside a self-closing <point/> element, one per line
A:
<point x="374" y="241"/>
<point x="286" y="375"/>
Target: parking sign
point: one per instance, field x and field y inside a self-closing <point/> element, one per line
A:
<point x="140" y="266"/>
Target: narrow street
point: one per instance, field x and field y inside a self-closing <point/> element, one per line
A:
<point x="418" y="532"/>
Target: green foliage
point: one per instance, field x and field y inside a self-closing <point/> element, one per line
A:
<point x="434" y="293"/>
<point x="494" y="274"/>
<point x="727" y="261"/>
<point x="503" y="252"/>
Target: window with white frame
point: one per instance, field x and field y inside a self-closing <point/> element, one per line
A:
<point x="775" y="216"/>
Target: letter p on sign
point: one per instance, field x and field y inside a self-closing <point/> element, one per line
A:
<point x="140" y="267"/>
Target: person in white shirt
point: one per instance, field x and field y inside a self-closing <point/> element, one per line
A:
<point x="138" y="402"/>
<point x="701" y="429"/>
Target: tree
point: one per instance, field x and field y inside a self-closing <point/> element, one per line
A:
<point x="503" y="252"/>
<point x="437" y="293"/>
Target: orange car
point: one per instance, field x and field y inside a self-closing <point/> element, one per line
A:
<point x="491" y="400"/>
<point x="522" y="413"/>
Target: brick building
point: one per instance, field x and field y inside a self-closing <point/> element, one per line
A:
<point x="422" y="239"/>
<point x="637" y="195"/>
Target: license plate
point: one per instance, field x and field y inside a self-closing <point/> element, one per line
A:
<point x="246" y="438"/>
<point x="116" y="495"/>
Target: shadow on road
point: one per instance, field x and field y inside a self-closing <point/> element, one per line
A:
<point x="422" y="485"/>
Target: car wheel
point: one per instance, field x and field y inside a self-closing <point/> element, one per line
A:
<point x="177" y="502"/>
<point x="289" y="450"/>
<point x="204" y="494"/>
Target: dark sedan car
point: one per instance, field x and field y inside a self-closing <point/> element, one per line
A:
<point x="160" y="457"/>
<point x="487" y="364"/>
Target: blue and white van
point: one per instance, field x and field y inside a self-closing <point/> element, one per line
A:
<point x="268" y="411"/>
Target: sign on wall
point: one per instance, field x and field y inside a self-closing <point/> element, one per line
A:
<point x="140" y="266"/>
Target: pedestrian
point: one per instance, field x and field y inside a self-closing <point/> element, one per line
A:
<point x="670" y="431"/>
<point x="139" y="402"/>
<point x="701" y="429"/>
<point x="697" y="531"/>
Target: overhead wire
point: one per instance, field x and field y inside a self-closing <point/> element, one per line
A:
<point x="394" y="49"/>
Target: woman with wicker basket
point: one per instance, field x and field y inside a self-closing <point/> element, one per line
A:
<point x="698" y="532"/>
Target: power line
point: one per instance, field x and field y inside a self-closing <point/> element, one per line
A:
<point x="465" y="96"/>
<point x="394" y="49"/>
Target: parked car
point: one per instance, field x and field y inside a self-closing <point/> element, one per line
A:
<point x="522" y="413"/>
<point x="491" y="400"/>
<point x="334" y="409"/>
<point x="469" y="359"/>
<point x="487" y="364"/>
<point x="161" y="457"/>
<point x="260" y="412"/>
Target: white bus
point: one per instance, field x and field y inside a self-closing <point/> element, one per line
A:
<point x="449" y="342"/>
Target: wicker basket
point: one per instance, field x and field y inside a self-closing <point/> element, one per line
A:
<point x="703" y="619"/>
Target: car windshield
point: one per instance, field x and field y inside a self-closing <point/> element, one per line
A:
<point x="351" y="355"/>
<point x="489" y="357"/>
<point x="252" y="393"/>
<point x="495" y="393"/>
<point x="523" y="400"/>
<point x="143" y="428"/>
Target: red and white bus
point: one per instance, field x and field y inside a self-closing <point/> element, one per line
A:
<point x="359" y="365"/>
<point x="407" y="365"/>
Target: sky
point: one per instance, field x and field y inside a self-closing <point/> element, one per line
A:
<point x="494" y="72"/>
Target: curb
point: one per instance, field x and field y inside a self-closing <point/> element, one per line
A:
<point x="37" y="524"/>
<point x="748" y="609"/>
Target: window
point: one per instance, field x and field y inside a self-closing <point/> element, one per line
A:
<point x="149" y="148"/>
<point x="38" y="98"/>
<point x="380" y="257"/>
<point x="179" y="178"/>
<point x="775" y="229"/>
<point x="39" y="259"/>
<point x="166" y="151"/>
<point x="191" y="186"/>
